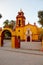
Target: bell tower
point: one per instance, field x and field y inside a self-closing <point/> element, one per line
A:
<point x="20" y="19"/>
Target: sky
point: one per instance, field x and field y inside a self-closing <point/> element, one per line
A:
<point x="10" y="8"/>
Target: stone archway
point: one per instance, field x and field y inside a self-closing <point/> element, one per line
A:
<point x="6" y="38"/>
<point x="12" y="37"/>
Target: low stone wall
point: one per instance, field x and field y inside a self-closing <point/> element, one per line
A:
<point x="7" y="43"/>
<point x="30" y="45"/>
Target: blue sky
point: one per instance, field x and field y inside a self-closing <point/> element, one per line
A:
<point x="10" y="8"/>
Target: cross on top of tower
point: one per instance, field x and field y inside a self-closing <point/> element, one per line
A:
<point x="20" y="10"/>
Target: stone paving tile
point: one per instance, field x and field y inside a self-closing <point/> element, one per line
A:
<point x="25" y="51"/>
<point x="15" y="58"/>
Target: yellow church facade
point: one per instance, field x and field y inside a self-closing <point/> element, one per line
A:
<point x="21" y="32"/>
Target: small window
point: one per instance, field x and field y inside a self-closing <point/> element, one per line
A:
<point x="19" y="22"/>
<point x="28" y="31"/>
<point x="19" y="37"/>
<point x="19" y="13"/>
<point x="18" y="30"/>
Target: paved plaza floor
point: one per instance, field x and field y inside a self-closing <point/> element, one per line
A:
<point x="9" y="56"/>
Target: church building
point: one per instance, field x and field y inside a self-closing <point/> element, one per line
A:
<point x="27" y="32"/>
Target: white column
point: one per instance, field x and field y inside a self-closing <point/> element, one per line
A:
<point x="30" y="36"/>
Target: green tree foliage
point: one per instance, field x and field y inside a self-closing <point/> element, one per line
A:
<point x="41" y="35"/>
<point x="7" y="35"/>
<point x="40" y="15"/>
<point x="6" y="23"/>
<point x="9" y="24"/>
<point x="12" y="24"/>
<point x="0" y="16"/>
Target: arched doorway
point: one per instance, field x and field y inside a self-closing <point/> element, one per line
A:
<point x="28" y="35"/>
<point x="19" y="41"/>
<point x="28" y="38"/>
<point x="6" y="38"/>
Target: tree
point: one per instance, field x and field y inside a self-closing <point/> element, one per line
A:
<point x="7" y="35"/>
<point x="6" y="23"/>
<point x="0" y="16"/>
<point x="40" y="15"/>
<point x="12" y="24"/>
<point x="41" y="35"/>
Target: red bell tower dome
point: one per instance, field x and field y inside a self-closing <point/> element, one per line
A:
<point x="20" y="19"/>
